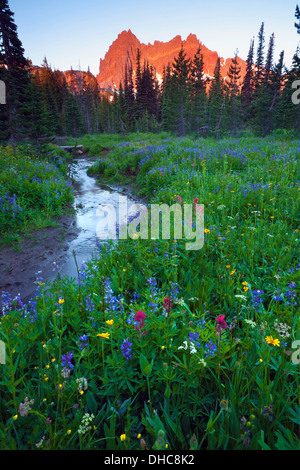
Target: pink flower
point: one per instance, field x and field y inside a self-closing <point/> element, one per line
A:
<point x="221" y="323"/>
<point x="140" y="317"/>
<point x="167" y="304"/>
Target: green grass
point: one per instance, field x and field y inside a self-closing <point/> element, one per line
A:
<point x="34" y="189"/>
<point x="183" y="384"/>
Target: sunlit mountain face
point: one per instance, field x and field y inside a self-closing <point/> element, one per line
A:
<point x="159" y="54"/>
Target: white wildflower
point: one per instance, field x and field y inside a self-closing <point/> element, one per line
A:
<point x="243" y="297"/>
<point x="190" y="345"/>
<point x="202" y="362"/>
<point x="85" y="423"/>
<point x="82" y="384"/>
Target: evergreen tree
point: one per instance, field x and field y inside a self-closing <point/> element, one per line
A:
<point x="248" y="85"/>
<point x="181" y="84"/>
<point x="259" y="66"/>
<point x="216" y="100"/>
<point x="288" y="115"/>
<point x="269" y="59"/>
<point x="138" y="86"/>
<point x="129" y="98"/>
<point x="198" y="111"/>
<point x="168" y="102"/>
<point x="14" y="71"/>
<point x="232" y="86"/>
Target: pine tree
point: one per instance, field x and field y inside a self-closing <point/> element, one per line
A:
<point x="168" y="102"/>
<point x="248" y="85"/>
<point x="259" y="65"/>
<point x="14" y="71"/>
<point x="288" y="115"/>
<point x="138" y="86"/>
<point x="232" y="86"/>
<point x="198" y="97"/>
<point x="269" y="59"/>
<point x="181" y="84"/>
<point x="129" y="98"/>
<point x="216" y="100"/>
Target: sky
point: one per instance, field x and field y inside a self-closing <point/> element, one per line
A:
<point x="78" y="33"/>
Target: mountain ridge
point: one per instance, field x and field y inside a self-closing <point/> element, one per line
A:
<point x="123" y="50"/>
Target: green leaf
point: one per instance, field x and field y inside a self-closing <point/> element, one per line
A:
<point x="146" y="367"/>
<point x="91" y="403"/>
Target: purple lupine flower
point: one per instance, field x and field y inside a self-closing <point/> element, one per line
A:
<point x="66" y="360"/>
<point x="83" y="342"/>
<point x="126" y="349"/>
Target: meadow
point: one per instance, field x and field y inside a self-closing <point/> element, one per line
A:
<point x="34" y="189"/>
<point x="153" y="346"/>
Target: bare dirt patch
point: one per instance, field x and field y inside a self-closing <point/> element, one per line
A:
<point x="38" y="251"/>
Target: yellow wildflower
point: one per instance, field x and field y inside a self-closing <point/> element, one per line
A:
<point x="109" y="322"/>
<point x="104" y="335"/>
<point x="273" y="341"/>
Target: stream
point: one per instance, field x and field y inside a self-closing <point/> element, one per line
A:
<point x="42" y="251"/>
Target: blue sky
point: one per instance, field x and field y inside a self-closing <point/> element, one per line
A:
<point x="76" y="32"/>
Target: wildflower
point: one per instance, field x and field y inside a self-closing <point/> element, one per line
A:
<point x="39" y="444"/>
<point x="206" y="230"/>
<point x="273" y="341"/>
<point x="126" y="349"/>
<point x="82" y="384"/>
<point x="104" y="335"/>
<point x="65" y="372"/>
<point x="66" y="360"/>
<point x="167" y="306"/>
<point x="202" y="362"/>
<point x="15" y="417"/>
<point x="110" y="322"/>
<point x="250" y="322"/>
<point x="24" y="408"/>
<point x="267" y="411"/>
<point x="85" y="423"/>
<point x="123" y="437"/>
<point x="139" y="318"/>
<point x="190" y="345"/>
<point x="61" y="301"/>
<point x="139" y="436"/>
<point x="211" y="348"/>
<point x="143" y="444"/>
<point x="224" y="404"/>
<point x="221" y="323"/>
<point x="83" y="342"/>
<point x="232" y="272"/>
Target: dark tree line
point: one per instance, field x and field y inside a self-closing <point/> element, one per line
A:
<point x="41" y="102"/>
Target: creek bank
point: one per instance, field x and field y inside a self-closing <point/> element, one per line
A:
<point x="77" y="234"/>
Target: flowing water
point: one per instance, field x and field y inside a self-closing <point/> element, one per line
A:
<point x="89" y="195"/>
<point x="57" y="245"/>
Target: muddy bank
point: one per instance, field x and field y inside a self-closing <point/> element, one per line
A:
<point x="38" y="251"/>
